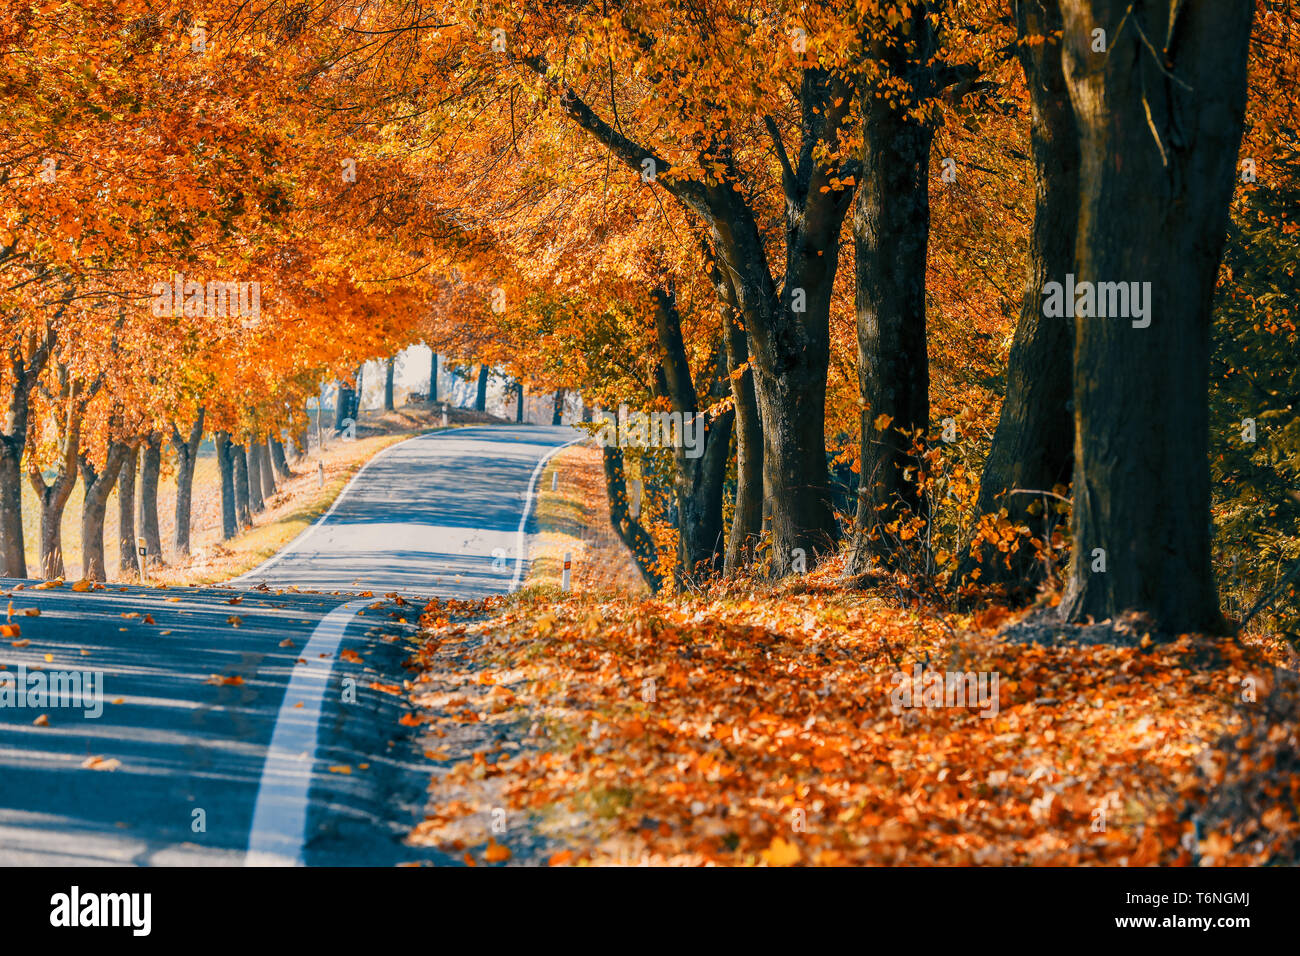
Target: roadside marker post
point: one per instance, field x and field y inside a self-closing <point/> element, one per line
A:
<point x="564" y="577"/>
<point x="320" y="474"/>
<point x="140" y="553"/>
<point x="555" y="480"/>
<point x="444" y="416"/>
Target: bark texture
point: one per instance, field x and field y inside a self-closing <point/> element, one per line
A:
<point x="1160" y="118"/>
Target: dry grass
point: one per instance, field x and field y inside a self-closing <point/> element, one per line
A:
<point x="295" y="505"/>
<point x="574" y="518"/>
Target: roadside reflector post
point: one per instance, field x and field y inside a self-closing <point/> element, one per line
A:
<point x="320" y="474"/>
<point x="555" y="480"/>
<point x="444" y="415"/>
<point x="141" y="551"/>
<point x="564" y="576"/>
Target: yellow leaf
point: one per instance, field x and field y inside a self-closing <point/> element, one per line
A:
<point x="781" y="853"/>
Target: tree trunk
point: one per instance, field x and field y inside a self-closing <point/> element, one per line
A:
<point x="348" y="402"/>
<point x="1033" y="446"/>
<point x="264" y="467"/>
<point x="557" y="415"/>
<point x="519" y="401"/>
<point x="629" y="529"/>
<point x="53" y="498"/>
<point x="255" y="503"/>
<point x="226" y="469"/>
<point x="25" y="366"/>
<point x="126" y="559"/>
<point x="150" y="466"/>
<point x="1159" y="131"/>
<point x="388" y="384"/>
<point x="891" y="235"/>
<point x="11" y="509"/>
<point x="701" y="471"/>
<point x="433" y="376"/>
<point x="480" y="401"/>
<point x="243" y="492"/>
<point x="98" y="486"/>
<point x="279" y="462"/>
<point x="186" y="450"/>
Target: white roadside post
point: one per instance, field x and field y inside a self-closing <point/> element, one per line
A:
<point x="320" y="474"/>
<point x="140" y="553"/>
<point x="444" y="415"/>
<point x="555" y="480"/>
<point x="564" y="576"/>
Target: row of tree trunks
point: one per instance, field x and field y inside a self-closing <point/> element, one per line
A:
<point x="788" y="328"/>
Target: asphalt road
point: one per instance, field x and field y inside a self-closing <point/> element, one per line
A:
<point x="272" y="739"/>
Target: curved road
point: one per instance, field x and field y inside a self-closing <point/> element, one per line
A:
<point x="259" y="740"/>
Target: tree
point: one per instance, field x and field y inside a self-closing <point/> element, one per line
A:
<point x="1160" y="116"/>
<point x="1033" y="447"/>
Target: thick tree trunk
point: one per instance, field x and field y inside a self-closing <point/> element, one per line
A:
<point x="480" y="400"/>
<point x="433" y="377"/>
<point x="1159" y="130"/>
<point x="388" y="384"/>
<point x="53" y="498"/>
<point x="265" y="470"/>
<point x="255" y="503"/>
<point x="891" y="235"/>
<point x="1033" y="446"/>
<point x="629" y="529"/>
<point x="186" y="450"/>
<point x="226" y="470"/>
<point x="11" y="509"/>
<point x="519" y="401"/>
<point x="98" y="486"/>
<point x="243" y="492"/>
<point x="52" y="505"/>
<point x="557" y="414"/>
<point x="25" y="367"/>
<point x="126" y="560"/>
<point x="279" y="461"/>
<point x="150" y="467"/>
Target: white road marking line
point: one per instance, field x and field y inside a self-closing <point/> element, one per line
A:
<point x="279" y="827"/>
<point x="528" y="505"/>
